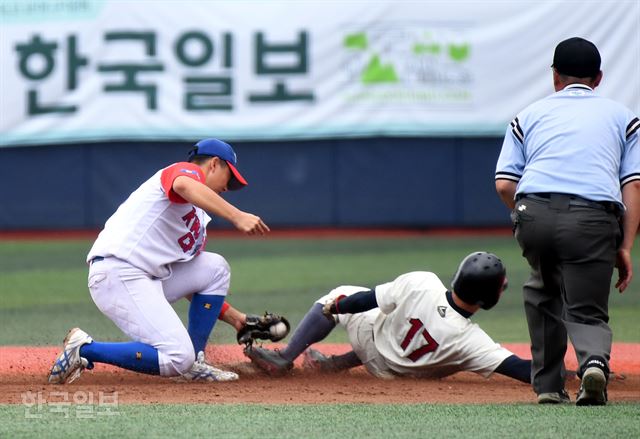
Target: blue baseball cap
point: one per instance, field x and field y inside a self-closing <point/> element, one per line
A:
<point x="218" y="148"/>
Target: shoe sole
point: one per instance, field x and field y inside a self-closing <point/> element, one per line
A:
<point x="552" y="400"/>
<point x="318" y="365"/>
<point x="308" y="362"/>
<point x="217" y="379"/>
<point x="181" y="379"/>
<point x="224" y="377"/>
<point x="593" y="387"/>
<point x="268" y="367"/>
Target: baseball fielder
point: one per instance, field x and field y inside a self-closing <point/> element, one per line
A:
<point x="411" y="326"/>
<point x="151" y="254"/>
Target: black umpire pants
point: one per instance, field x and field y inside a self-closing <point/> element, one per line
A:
<point x="572" y="253"/>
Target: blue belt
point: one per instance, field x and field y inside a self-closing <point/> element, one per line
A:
<point x="96" y="259"/>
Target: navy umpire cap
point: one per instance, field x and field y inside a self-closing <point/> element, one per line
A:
<point x="577" y="57"/>
<point x="218" y="148"/>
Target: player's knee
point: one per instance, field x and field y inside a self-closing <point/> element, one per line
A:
<point x="220" y="265"/>
<point x="179" y="357"/>
<point x="339" y="291"/>
<point x="220" y="275"/>
<point x="182" y="361"/>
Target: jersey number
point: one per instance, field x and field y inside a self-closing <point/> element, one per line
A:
<point x="432" y="345"/>
<point x="187" y="240"/>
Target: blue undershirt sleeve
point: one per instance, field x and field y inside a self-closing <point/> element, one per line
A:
<point x="516" y="368"/>
<point x="359" y="302"/>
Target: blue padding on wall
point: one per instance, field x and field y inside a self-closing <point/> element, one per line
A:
<point x="476" y="163"/>
<point x="380" y="182"/>
<point x="42" y="187"/>
<point x="408" y="182"/>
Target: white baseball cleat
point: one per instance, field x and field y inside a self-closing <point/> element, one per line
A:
<point x="69" y="364"/>
<point x="202" y="371"/>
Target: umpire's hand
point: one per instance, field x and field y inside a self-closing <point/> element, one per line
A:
<point x="625" y="269"/>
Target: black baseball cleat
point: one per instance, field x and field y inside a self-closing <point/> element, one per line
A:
<point x="269" y="361"/>
<point x="593" y="390"/>
<point x="316" y="360"/>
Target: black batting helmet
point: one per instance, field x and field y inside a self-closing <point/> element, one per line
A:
<point x="480" y="279"/>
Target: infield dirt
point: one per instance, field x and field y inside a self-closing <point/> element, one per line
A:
<point x="24" y="369"/>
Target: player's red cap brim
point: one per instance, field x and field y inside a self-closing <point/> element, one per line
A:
<point x="236" y="181"/>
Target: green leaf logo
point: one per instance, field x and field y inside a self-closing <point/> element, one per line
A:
<point x="459" y="52"/>
<point x="356" y="41"/>
<point x="376" y="72"/>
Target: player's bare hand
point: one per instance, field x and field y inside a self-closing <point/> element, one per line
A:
<point x="625" y="269"/>
<point x="250" y="224"/>
<point x="331" y="307"/>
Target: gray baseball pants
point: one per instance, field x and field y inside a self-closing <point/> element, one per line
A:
<point x="572" y="252"/>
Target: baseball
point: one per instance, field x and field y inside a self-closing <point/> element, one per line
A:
<point x="278" y="330"/>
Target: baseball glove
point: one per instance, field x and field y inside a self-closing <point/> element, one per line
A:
<point x="266" y="327"/>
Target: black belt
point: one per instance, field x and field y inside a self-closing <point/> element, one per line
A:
<point x="96" y="259"/>
<point x="574" y="200"/>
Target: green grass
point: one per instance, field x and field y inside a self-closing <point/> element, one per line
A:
<point x="43" y="288"/>
<point x="331" y="421"/>
<point x="43" y="292"/>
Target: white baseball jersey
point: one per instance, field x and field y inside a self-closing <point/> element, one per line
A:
<point x="155" y="227"/>
<point x="418" y="333"/>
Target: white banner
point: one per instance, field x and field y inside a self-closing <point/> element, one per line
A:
<point x="85" y="70"/>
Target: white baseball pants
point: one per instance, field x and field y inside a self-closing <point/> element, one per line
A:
<point x="140" y="305"/>
<point x="359" y="329"/>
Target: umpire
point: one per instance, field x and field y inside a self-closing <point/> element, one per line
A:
<point x="570" y="170"/>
